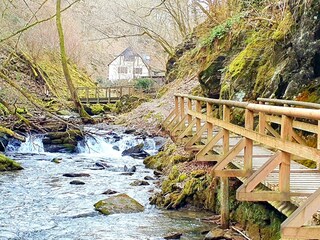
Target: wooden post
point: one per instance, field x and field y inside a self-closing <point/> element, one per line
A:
<point x="176" y="106"/>
<point x="318" y="143"/>
<point x="182" y="112"/>
<point x="225" y="211"/>
<point x="209" y="125"/>
<point x="226" y="118"/>
<point x="87" y="94"/>
<point x="284" y="168"/>
<point x="120" y="91"/>
<point x="189" y="116"/>
<point x="262" y="121"/>
<point x="248" y="142"/>
<point x="198" y="110"/>
<point x="109" y="97"/>
<point x="97" y="95"/>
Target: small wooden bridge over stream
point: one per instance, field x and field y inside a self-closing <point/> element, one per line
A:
<point x="261" y="152"/>
<point x="94" y="95"/>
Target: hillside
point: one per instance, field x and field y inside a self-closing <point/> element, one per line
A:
<point x="259" y="49"/>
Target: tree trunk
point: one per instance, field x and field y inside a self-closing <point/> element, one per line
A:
<point x="74" y="95"/>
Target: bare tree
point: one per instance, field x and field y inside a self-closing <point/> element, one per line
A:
<point x="74" y="95"/>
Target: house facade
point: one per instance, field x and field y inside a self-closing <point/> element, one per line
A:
<point x="128" y="65"/>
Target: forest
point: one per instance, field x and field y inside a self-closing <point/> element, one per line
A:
<point x="95" y="94"/>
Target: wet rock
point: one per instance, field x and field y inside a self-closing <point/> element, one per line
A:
<point x="56" y="160"/>
<point x="116" y="138"/>
<point x="216" y="233"/>
<point x="77" y="182"/>
<point x="116" y="148"/>
<point x="130" y="170"/>
<point x="173" y="235"/>
<point x="96" y="168"/>
<point x="101" y="165"/>
<point x="136" y="152"/>
<point x="139" y="183"/>
<point x="127" y="173"/>
<point x="7" y="164"/>
<point x="157" y="173"/>
<point x="62" y="142"/>
<point x="76" y="175"/>
<point x="110" y="192"/>
<point x="3" y="142"/>
<point x="129" y="131"/>
<point x="148" y="178"/>
<point x="121" y="203"/>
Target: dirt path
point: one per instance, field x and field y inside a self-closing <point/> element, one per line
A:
<point x="149" y="115"/>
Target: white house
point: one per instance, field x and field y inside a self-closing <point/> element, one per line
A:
<point x="128" y="65"/>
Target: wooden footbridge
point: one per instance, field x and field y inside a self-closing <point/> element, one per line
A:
<point x="260" y="152"/>
<point x="93" y="95"/>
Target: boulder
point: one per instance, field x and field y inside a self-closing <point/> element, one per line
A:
<point x="56" y="160"/>
<point x="3" y="142"/>
<point x="139" y="183"/>
<point x="116" y="148"/>
<point x="103" y="165"/>
<point x="173" y="235"/>
<point x="148" y="178"/>
<point x="129" y="170"/>
<point x="136" y="152"/>
<point x="77" y="182"/>
<point x="129" y="131"/>
<point x="76" y="175"/>
<point x="216" y="233"/>
<point x="110" y="192"/>
<point x="7" y="164"/>
<point x="121" y="203"/>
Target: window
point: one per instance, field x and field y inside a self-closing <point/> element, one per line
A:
<point x="122" y="70"/>
<point x="138" y="71"/>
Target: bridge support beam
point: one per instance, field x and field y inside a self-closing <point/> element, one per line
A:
<point x="225" y="210"/>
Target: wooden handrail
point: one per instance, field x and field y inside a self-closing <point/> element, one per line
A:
<point x="290" y="102"/>
<point x="288" y="111"/>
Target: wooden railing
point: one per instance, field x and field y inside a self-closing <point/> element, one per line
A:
<point x="201" y="123"/>
<point x="103" y="94"/>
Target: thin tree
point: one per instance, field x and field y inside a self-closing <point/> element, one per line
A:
<point x="74" y="95"/>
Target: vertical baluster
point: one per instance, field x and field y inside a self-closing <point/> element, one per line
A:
<point x="226" y="118"/>
<point x="87" y="95"/>
<point x="189" y="115"/>
<point x="176" y="107"/>
<point x="249" y="117"/>
<point x="209" y="125"/>
<point x="182" y="111"/>
<point x="198" y="110"/>
<point x="318" y="143"/>
<point x="284" y="171"/>
<point x="225" y="210"/>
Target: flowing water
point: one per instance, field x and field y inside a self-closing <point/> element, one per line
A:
<point x="40" y="203"/>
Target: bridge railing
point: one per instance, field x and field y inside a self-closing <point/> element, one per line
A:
<point x="277" y="127"/>
<point x="103" y="94"/>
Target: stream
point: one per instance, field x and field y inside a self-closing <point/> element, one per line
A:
<point x="40" y="203"/>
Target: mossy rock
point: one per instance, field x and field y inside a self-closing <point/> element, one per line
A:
<point x="7" y="164"/>
<point x="121" y="203"/>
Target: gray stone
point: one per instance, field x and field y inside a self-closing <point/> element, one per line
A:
<point x="121" y="203"/>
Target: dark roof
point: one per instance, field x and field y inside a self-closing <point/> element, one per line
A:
<point x="129" y="52"/>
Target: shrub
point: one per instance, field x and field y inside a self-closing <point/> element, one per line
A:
<point x="144" y="84"/>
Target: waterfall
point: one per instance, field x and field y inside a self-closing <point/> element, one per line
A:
<point x="97" y="144"/>
<point x="33" y="144"/>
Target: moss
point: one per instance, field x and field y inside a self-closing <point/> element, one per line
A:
<point x="7" y="164"/>
<point x="163" y="90"/>
<point x="127" y="103"/>
<point x="284" y="28"/>
<point x="50" y="68"/>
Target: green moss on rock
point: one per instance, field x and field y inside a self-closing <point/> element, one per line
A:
<point x="7" y="164"/>
<point x="121" y="203"/>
